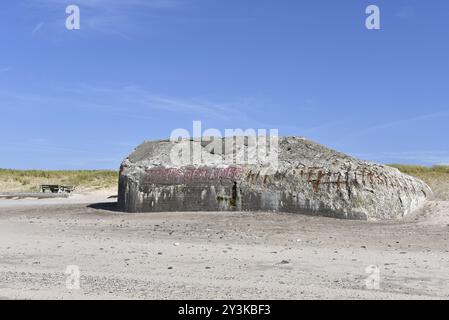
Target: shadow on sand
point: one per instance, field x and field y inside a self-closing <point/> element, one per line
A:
<point x="106" y="206"/>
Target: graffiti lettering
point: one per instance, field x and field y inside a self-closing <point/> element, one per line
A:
<point x="191" y="175"/>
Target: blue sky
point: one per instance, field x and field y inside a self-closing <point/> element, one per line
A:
<point x="137" y="69"/>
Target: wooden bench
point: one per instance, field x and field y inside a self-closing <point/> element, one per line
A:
<point x="56" y="188"/>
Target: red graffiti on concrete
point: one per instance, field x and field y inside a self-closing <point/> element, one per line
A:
<point x="191" y="175"/>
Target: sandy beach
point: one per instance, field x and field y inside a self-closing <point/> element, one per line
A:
<point x="216" y="255"/>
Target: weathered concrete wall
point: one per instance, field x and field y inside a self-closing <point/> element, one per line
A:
<point x="310" y="179"/>
<point x="181" y="189"/>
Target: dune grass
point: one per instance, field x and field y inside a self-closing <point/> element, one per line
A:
<point x="421" y="170"/>
<point x="437" y="177"/>
<point x="427" y="174"/>
<point x="30" y="180"/>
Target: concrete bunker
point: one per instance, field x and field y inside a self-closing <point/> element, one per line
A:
<point x="309" y="178"/>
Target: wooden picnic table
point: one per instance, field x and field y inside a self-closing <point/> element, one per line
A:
<point x="56" y="188"/>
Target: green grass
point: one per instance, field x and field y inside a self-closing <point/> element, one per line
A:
<point x="30" y="180"/>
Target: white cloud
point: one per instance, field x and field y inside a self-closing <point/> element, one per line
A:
<point x="133" y="101"/>
<point x="395" y="124"/>
<point x="113" y="4"/>
<point x="106" y="17"/>
<point x="37" y="28"/>
<point x="145" y="100"/>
